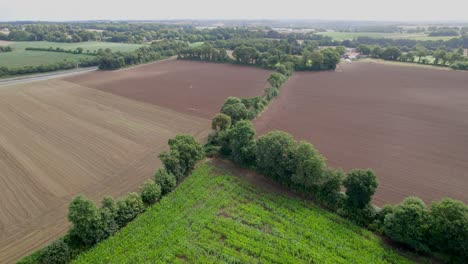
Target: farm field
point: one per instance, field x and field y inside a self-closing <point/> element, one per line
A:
<point x="408" y="124"/>
<point x="216" y="217"/>
<point x="20" y="57"/>
<point x="352" y="35"/>
<point x="59" y="139"/>
<point x="197" y="88"/>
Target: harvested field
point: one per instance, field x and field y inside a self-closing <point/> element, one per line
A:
<point x="59" y="139"/>
<point x="197" y="88"/>
<point x="407" y="124"/>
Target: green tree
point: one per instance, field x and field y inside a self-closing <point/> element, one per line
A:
<point x="221" y="122"/>
<point x="275" y="154"/>
<point x="129" y="208"/>
<point x="86" y="220"/>
<point x="184" y="152"/>
<point x="364" y="49"/>
<point x="150" y="192"/>
<point x="108" y="213"/>
<point x="448" y="228"/>
<point x="360" y="187"/>
<point x="166" y="180"/>
<point x="234" y="108"/>
<point x="276" y="79"/>
<point x="408" y="223"/>
<point x="56" y="252"/>
<point x="310" y="166"/>
<point x="241" y="138"/>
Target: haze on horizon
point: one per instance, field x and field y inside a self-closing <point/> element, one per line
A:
<point x="395" y="10"/>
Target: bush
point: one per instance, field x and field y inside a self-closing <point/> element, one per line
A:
<point x="448" y="228"/>
<point x="309" y="168"/>
<point x="129" y="208"/>
<point x="56" y="252"/>
<point x="381" y="213"/>
<point x="360" y="187"/>
<point x="328" y="192"/>
<point x="150" y="192"/>
<point x="166" y="180"/>
<point x="184" y="153"/>
<point x="108" y="212"/>
<point x="408" y="224"/>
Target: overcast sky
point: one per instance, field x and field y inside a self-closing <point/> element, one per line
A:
<point x="54" y="10"/>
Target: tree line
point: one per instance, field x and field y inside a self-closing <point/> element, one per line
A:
<point x="92" y="224"/>
<point x="6" y="49"/>
<point x="65" y="65"/>
<point x="418" y="54"/>
<point x="440" y="228"/>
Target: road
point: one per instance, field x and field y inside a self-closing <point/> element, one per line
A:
<point x="45" y="76"/>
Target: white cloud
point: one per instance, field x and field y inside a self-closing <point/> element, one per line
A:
<point x="234" y="9"/>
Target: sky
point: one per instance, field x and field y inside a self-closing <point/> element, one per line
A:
<point x="394" y="10"/>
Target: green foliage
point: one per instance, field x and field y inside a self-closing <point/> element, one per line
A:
<point x="328" y="192"/>
<point x="276" y="79"/>
<point x="448" y="228"/>
<point x="309" y="168"/>
<point x="408" y="224"/>
<point x="275" y="154"/>
<point x="360" y="187"/>
<point x="234" y="108"/>
<point x="129" y="208"/>
<point x="166" y="180"/>
<point x="215" y="217"/>
<point x="221" y="122"/>
<point x="246" y="54"/>
<point x="184" y="153"/>
<point x="241" y="143"/>
<point x="56" y="252"/>
<point x="150" y="192"/>
<point x="86" y="220"/>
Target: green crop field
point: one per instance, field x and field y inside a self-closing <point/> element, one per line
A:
<point x="215" y="217"/>
<point x="90" y="45"/>
<point x="352" y="35"/>
<point x="20" y="57"/>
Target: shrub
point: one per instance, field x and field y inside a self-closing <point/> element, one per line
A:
<point x="56" y="252"/>
<point x="448" y="228"/>
<point x="150" y="192"/>
<point x="108" y="212"/>
<point x="166" y="180"/>
<point x="129" y="208"/>
<point x="378" y="224"/>
<point x="360" y="186"/>
<point x="408" y="224"/>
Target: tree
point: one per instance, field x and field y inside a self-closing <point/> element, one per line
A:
<point x="234" y="108"/>
<point x="421" y="52"/>
<point x="275" y="154"/>
<point x="245" y="54"/>
<point x="376" y="52"/>
<point x="360" y="186"/>
<point x="408" y="223"/>
<point x="341" y="50"/>
<point x="184" y="152"/>
<point x="330" y="59"/>
<point x="363" y="49"/>
<point x="129" y="208"/>
<point x="86" y="220"/>
<point x="439" y="55"/>
<point x="309" y="166"/>
<point x="448" y="228"/>
<point x="166" y="180"/>
<point x="242" y="143"/>
<point x="150" y="192"/>
<point x="108" y="213"/>
<point x="391" y="53"/>
<point x="56" y="252"/>
<point x="276" y="79"/>
<point x="221" y="122"/>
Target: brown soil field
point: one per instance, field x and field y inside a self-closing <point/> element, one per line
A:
<point x="407" y="124"/>
<point x="197" y="88"/>
<point x="58" y="139"/>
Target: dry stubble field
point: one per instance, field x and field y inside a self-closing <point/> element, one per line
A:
<point x="60" y="138"/>
<point x="407" y="124"/>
